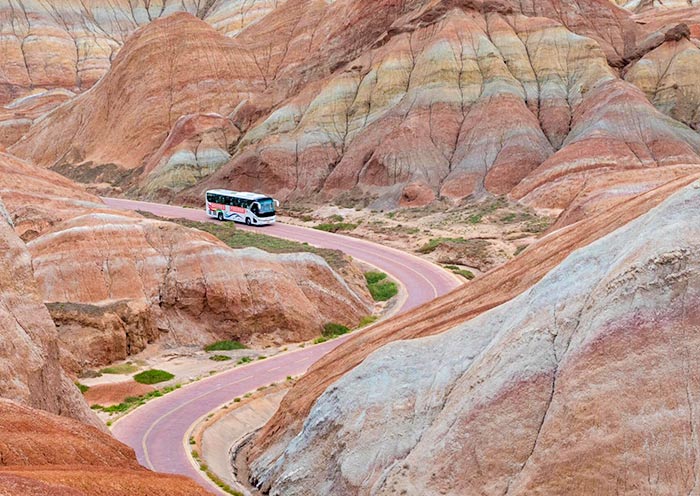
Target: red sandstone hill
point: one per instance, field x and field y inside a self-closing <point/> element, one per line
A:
<point x="397" y="104"/>
<point x="43" y="454"/>
<point x="117" y="282"/>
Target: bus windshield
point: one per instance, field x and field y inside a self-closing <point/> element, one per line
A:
<point x="267" y="206"/>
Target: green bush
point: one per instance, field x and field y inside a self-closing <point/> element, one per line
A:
<point x="153" y="376"/>
<point x="243" y="360"/>
<point x="225" y="346"/>
<point x="434" y="243"/>
<point x="334" y="227"/>
<point x="320" y="340"/>
<point x="374" y="277"/>
<point x="379" y="287"/>
<point x="331" y="330"/>
<point x="219" y="358"/>
<point x="83" y="388"/>
<point x="367" y="320"/>
<point x="467" y="274"/>
<point x="475" y="218"/>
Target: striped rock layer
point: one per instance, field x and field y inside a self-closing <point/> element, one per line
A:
<point x="118" y="282"/>
<point x="586" y="383"/>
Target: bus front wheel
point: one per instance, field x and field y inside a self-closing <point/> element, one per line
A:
<point x="220" y="216"/>
<point x="248" y="222"/>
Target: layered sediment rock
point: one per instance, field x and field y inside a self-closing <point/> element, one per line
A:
<point x="484" y="293"/>
<point x="670" y="77"/>
<point x="458" y="102"/>
<point x="115" y="281"/>
<point x="30" y="372"/>
<point x="17" y="116"/>
<point x="170" y="68"/>
<point x="72" y="44"/>
<point x="41" y="454"/>
<point x="580" y="385"/>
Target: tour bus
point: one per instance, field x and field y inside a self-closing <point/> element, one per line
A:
<point x="251" y="208"/>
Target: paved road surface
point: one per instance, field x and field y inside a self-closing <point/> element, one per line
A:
<point x="156" y="430"/>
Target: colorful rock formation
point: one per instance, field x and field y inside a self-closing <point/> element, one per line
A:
<point x="42" y="454"/>
<point x="30" y="372"/>
<point x="585" y="383"/>
<point x="116" y="281"/>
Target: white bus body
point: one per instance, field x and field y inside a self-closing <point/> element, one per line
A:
<point x="249" y="208"/>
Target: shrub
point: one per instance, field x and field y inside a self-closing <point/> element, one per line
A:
<point x="331" y="330"/>
<point x="374" y="277"/>
<point x="320" y="340"/>
<point x="467" y="274"/>
<point x="243" y="360"/>
<point x="334" y="227"/>
<point x="367" y="320"/>
<point x="219" y="358"/>
<point x="225" y="346"/>
<point x="82" y="387"/>
<point x="380" y="288"/>
<point x="434" y="243"/>
<point x="384" y="291"/>
<point x="474" y="218"/>
<point x="153" y="376"/>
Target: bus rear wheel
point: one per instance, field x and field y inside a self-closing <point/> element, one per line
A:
<point x="248" y="222"/>
<point x="220" y="216"/>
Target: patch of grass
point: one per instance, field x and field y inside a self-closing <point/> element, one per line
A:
<point x="122" y="369"/>
<point x="225" y="346"/>
<point x="243" y="360"/>
<point x="537" y="225"/>
<point x="367" y="320"/>
<point x="475" y="218"/>
<point x="153" y="376"/>
<point x="220" y="358"/>
<point x="238" y="238"/>
<point x="335" y="227"/>
<point x="320" y="340"/>
<point x="467" y="274"/>
<point x="508" y="218"/>
<point x="82" y="387"/>
<point x="134" y="401"/>
<point x="374" y="277"/>
<point x="216" y="480"/>
<point x="332" y="330"/>
<point x="379" y="287"/>
<point x="434" y="243"/>
<point x="336" y="218"/>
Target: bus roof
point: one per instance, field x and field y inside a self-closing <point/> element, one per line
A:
<point x="238" y="194"/>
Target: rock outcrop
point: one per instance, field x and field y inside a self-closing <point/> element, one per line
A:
<point x="41" y="454"/>
<point x="459" y="102"/>
<point x="484" y="293"/>
<point x="584" y="384"/>
<point x="670" y="77"/>
<point x="72" y="44"/>
<point x="389" y="105"/>
<point x="116" y="282"/>
<point x="30" y="370"/>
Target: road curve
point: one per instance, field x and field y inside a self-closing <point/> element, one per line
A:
<point x="156" y="430"/>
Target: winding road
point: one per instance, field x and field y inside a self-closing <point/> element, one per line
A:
<point x="157" y="430"/>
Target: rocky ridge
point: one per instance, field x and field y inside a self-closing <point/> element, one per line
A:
<point x="520" y="402"/>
